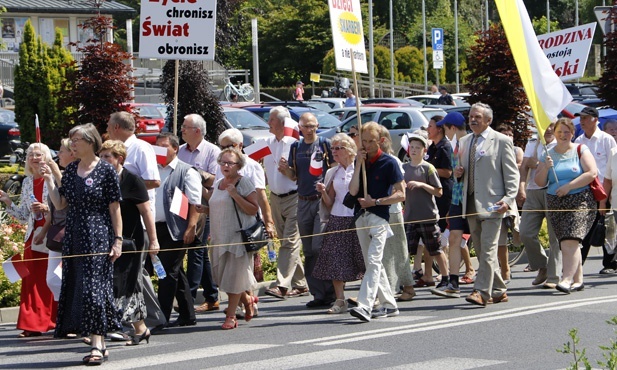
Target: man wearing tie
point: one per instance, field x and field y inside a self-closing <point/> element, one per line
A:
<point x="490" y="177"/>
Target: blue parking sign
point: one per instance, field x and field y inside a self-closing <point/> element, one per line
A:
<point x="437" y="38"/>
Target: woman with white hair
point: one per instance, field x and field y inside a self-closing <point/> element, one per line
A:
<point x="37" y="308"/>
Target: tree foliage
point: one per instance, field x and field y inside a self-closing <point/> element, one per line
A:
<point x="608" y="81"/>
<point x="102" y="82"/>
<point x="194" y="96"/>
<point x="494" y="80"/>
<point x="40" y="78"/>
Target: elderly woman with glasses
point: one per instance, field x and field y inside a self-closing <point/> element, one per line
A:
<point x="91" y="191"/>
<point x="233" y="201"/>
<point x="340" y="258"/>
<point x="37" y="306"/>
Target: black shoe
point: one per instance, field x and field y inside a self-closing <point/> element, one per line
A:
<point x="182" y="322"/>
<point x="607" y="271"/>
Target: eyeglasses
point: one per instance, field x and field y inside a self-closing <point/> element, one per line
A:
<point x="309" y="127"/>
<point x="338" y="147"/>
<point x="183" y="127"/>
<point x="35" y="155"/>
<point x="352" y="134"/>
<point x="227" y="164"/>
<point x="227" y="146"/>
<point x="74" y="141"/>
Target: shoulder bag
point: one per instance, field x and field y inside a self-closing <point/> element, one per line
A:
<point x="596" y="188"/>
<point x="254" y="236"/>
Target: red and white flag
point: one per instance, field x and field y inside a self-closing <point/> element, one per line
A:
<point x="161" y="154"/>
<point x="291" y="128"/>
<point x="37" y="128"/>
<point x="258" y="150"/>
<point x="15" y="269"/>
<point x="316" y="167"/>
<point x="179" y="204"/>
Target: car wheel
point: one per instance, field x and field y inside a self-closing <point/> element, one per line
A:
<point x="13" y="189"/>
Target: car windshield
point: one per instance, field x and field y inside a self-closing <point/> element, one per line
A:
<point x="325" y="119"/>
<point x="431" y="113"/>
<point x="147" y="111"/>
<point x="244" y="120"/>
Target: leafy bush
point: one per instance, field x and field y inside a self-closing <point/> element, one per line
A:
<point x="11" y="243"/>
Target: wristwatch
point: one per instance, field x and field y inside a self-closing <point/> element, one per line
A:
<point x="119" y="238"/>
<point x="377" y="202"/>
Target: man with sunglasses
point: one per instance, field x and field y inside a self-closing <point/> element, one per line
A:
<point x="202" y="155"/>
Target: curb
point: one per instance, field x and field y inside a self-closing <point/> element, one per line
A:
<point x="9" y="314"/>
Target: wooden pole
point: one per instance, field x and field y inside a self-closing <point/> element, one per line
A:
<point x="355" y="87"/>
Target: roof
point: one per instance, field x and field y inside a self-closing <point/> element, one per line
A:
<point x="66" y="7"/>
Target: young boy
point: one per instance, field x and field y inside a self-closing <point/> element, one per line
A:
<point x="421" y="213"/>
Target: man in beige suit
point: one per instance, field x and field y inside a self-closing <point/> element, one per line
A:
<point x="490" y="174"/>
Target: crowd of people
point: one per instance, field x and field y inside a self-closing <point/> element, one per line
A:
<point x="353" y="209"/>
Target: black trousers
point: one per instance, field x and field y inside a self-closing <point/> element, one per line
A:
<point x="175" y="283"/>
<point x="607" y="259"/>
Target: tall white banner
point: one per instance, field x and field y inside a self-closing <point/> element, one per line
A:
<point x="568" y="50"/>
<point x="171" y="29"/>
<point x="347" y="35"/>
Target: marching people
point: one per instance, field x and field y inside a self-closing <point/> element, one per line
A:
<point x="37" y="306"/>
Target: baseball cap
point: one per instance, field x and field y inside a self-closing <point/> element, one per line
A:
<point x="588" y="111"/>
<point x="453" y="118"/>
<point x="419" y="138"/>
<point x="443" y="88"/>
<point x="299" y="83"/>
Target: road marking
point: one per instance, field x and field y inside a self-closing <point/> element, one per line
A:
<point x="450" y="363"/>
<point x="303" y="360"/>
<point x="457" y="321"/>
<point x="177" y="357"/>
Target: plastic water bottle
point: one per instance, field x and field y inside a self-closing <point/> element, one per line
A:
<point x="493" y="208"/>
<point x="158" y="267"/>
<point x="37" y="215"/>
<point x="271" y="251"/>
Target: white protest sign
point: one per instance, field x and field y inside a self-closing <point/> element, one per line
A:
<point x="177" y="29"/>
<point x="347" y="34"/>
<point x="568" y="49"/>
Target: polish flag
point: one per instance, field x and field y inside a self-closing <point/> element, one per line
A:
<point x="316" y="167"/>
<point x="179" y="204"/>
<point x="161" y="154"/>
<point x="258" y="150"/>
<point x="291" y="128"/>
<point x="37" y="128"/>
<point x="15" y="269"/>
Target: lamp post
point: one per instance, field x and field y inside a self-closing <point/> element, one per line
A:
<point x="456" y="44"/>
<point x="548" y="16"/>
<point x="391" y="53"/>
<point x="424" y="44"/>
<point x="371" y="67"/>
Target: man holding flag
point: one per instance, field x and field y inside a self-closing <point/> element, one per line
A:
<point x="290" y="280"/>
<point x="308" y="161"/>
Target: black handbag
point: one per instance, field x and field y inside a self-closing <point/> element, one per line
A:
<point x="598" y="233"/>
<point x="55" y="234"/>
<point x="254" y="236"/>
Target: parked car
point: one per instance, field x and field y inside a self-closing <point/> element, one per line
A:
<point x="343" y="113"/>
<point x="251" y="125"/>
<point x="150" y="121"/>
<point x="333" y="103"/>
<point x="434" y="100"/>
<point x="580" y="91"/>
<point x="401" y="101"/>
<point x="326" y="121"/>
<point x="9" y="131"/>
<point x="399" y="121"/>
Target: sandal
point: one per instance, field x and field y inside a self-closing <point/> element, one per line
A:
<point x="468" y="278"/>
<point x="339" y="306"/>
<point x="94" y="359"/>
<point x="230" y="323"/>
<point x="28" y="334"/>
<point x="249" y="314"/>
<point x="421" y="283"/>
<point x="417" y="275"/>
<point x="86" y="341"/>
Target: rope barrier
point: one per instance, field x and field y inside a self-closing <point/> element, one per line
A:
<point x="306" y="236"/>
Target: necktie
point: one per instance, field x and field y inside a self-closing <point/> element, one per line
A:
<point x="472" y="165"/>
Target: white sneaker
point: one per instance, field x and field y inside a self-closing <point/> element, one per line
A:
<point x="384" y="312"/>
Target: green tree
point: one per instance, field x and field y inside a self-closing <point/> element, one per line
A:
<point x="194" y="96"/>
<point x="608" y="81"/>
<point x="410" y="62"/>
<point x="540" y="25"/>
<point x="101" y="83"/>
<point x="494" y="80"/>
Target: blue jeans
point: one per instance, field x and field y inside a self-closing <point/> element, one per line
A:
<point x="199" y="269"/>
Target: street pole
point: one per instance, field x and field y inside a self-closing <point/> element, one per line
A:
<point x="576" y="13"/>
<point x="391" y="53"/>
<point x="488" y="25"/>
<point x="424" y="38"/>
<point x="548" y="16"/>
<point x="456" y="44"/>
<point x="129" y="46"/>
<point x="371" y="68"/>
<point x="255" y="59"/>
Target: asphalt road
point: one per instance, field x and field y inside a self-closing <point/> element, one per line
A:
<point x="430" y="333"/>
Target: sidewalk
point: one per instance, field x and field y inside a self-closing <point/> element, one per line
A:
<point x="9" y="314"/>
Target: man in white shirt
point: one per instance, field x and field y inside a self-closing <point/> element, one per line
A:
<point x="290" y="279"/>
<point x="202" y="155"/>
<point x="600" y="144"/>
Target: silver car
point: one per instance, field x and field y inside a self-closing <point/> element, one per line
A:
<point x="251" y="125"/>
<point x="399" y="121"/>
